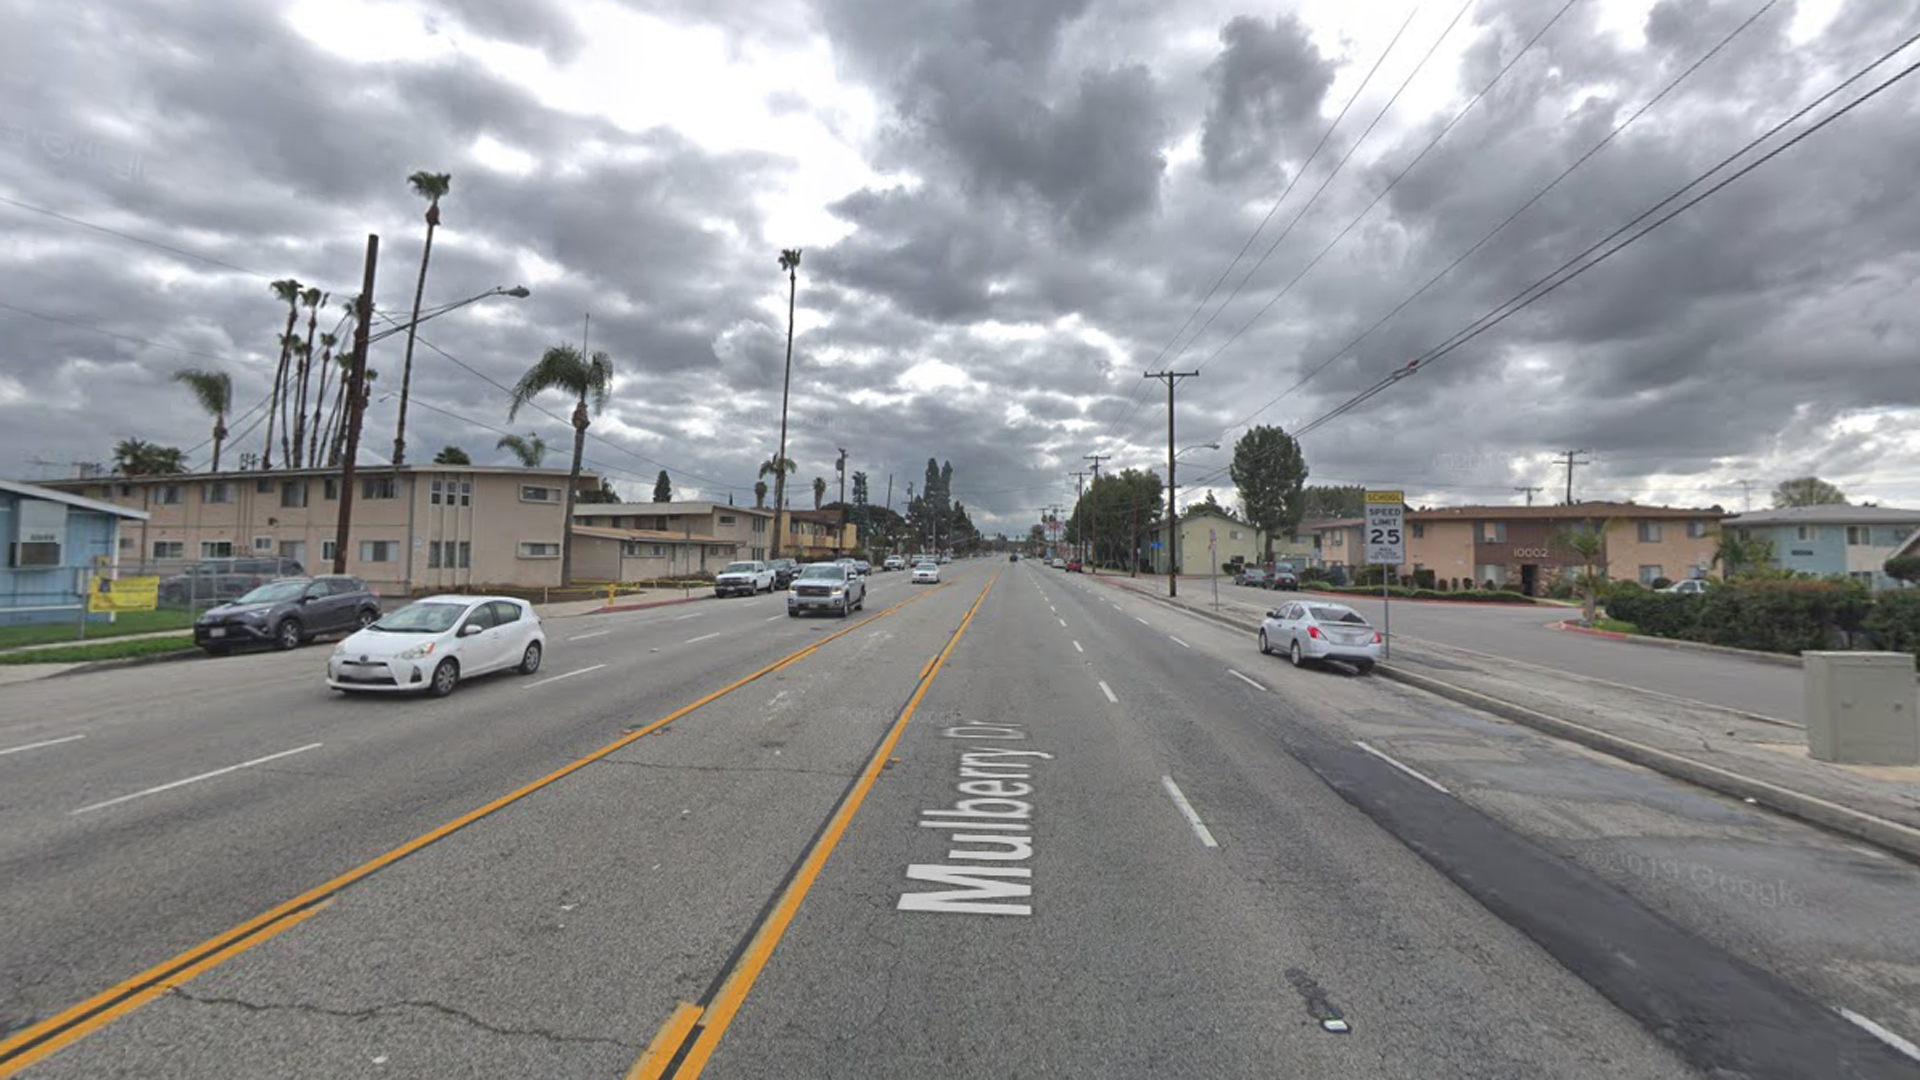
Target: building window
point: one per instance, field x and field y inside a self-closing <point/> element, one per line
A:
<point x="216" y="549"/>
<point x="433" y="547"/>
<point x="1649" y="532"/>
<point x="1493" y="532"/>
<point x="263" y="485"/>
<point x="380" y="487"/>
<point x="329" y="550"/>
<point x="167" y="495"/>
<point x="214" y="494"/>
<point x="295" y="550"/>
<point x="466" y="493"/>
<point x="293" y="493"/>
<point x="759" y="525"/>
<point x="1339" y="539"/>
<point x="1859" y="535"/>
<point x="536" y="494"/>
<point x="531" y="549"/>
<point x="330" y="488"/>
<point x="169" y="549"/>
<point x="126" y="543"/>
<point x="1419" y="530"/>
<point x="659" y="550"/>
<point x="379" y="551"/>
<point x="1696" y="529"/>
<point x="1901" y="534"/>
<point x="1649" y="573"/>
<point x="1806" y="532"/>
<point x="726" y="519"/>
<point x="439" y="489"/>
<point x="263" y="545"/>
<point x="1233" y="534"/>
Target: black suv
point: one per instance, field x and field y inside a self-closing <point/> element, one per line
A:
<point x="784" y="571"/>
<point x="287" y="613"/>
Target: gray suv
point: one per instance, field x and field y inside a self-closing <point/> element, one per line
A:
<point x="288" y="613"/>
<point x="214" y="580"/>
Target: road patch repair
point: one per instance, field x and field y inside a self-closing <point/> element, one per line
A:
<point x="1760" y="761"/>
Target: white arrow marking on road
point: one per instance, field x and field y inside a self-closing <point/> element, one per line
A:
<point x="197" y="779"/>
<point x="1417" y="775"/>
<point x="1187" y="811"/>
<point x="583" y="637"/>
<point x="1885" y="1036"/>
<point x="1108" y="690"/>
<point x="1246" y="680"/>
<point x="568" y="675"/>
<point x="704" y="637"/>
<point x="38" y="745"/>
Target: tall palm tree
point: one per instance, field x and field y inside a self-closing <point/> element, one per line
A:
<point x="760" y="494"/>
<point x="431" y="187"/>
<point x="563" y="368"/>
<point x="530" y="449"/>
<point x="327" y="367"/>
<point x="790" y="262"/>
<point x="819" y="490"/>
<point x="214" y="390"/>
<point x="287" y="291"/>
<point x="312" y="299"/>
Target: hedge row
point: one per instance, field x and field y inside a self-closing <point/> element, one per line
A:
<point x="1401" y="592"/>
<point x="1776" y="616"/>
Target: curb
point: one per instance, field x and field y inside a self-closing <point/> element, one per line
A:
<point x="1779" y="659"/>
<point x="1878" y="831"/>
<point x="1514" y="606"/>
<point x="643" y="607"/>
<point x="191" y="652"/>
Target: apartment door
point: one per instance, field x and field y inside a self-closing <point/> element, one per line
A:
<point x="1529" y="578"/>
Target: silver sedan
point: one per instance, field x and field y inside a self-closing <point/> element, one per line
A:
<point x="1316" y="630"/>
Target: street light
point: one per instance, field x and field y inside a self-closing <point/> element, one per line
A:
<point x="1201" y="446"/>
<point x="518" y="292"/>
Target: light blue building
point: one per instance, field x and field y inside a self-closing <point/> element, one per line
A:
<point x="54" y="544"/>
<point x="1852" y="540"/>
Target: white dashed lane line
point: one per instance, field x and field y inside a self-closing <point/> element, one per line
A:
<point x="1077" y="648"/>
<point x="704" y="637"/>
<point x="1187" y="811"/>
<point x="197" y="779"/>
<point x="557" y="678"/>
<point x="1178" y="642"/>
<point x="583" y="637"/>
<point x="1108" y="690"/>
<point x="1422" y="777"/>
<point x="1246" y="680"/>
<point x="38" y="745"/>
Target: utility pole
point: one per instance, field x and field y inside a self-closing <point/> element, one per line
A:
<point x="1567" y="458"/>
<point x="1173" y="515"/>
<point x="889" y="517"/>
<point x="1529" y="491"/>
<point x="1080" y="516"/>
<point x="1746" y="492"/>
<point x="840" y="539"/>
<point x="356" y="396"/>
<point x="1096" y="459"/>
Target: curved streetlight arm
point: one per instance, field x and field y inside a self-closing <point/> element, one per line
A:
<point x="518" y="292"/>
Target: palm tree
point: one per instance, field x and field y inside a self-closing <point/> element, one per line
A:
<point x="760" y="494"/>
<point x="313" y="299"/>
<point x="790" y="262"/>
<point x="327" y="366"/>
<point x="431" y="187"/>
<point x="1589" y="545"/>
<point x="287" y="290"/>
<point x="1736" y="555"/>
<point x="530" y="449"/>
<point x="214" y="390"/>
<point x="819" y="490"/>
<point x="138" y="457"/>
<point x="563" y="368"/>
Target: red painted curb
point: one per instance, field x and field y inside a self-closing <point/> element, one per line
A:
<point x="1611" y="635"/>
<point x="1411" y="600"/>
<point x="649" y="604"/>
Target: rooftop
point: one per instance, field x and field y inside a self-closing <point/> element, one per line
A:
<point x="108" y="479"/>
<point x="1576" y="512"/>
<point x="666" y="509"/>
<point x="35" y="491"/>
<point x="1832" y="514"/>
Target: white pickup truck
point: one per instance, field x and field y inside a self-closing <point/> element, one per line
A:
<point x="743" y="579"/>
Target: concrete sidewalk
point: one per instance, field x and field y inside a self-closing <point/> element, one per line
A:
<point x="1757" y="758"/>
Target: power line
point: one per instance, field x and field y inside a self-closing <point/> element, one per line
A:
<point x="1540" y="289"/>
<point x="1510" y="218"/>
<point x="1244" y="248"/>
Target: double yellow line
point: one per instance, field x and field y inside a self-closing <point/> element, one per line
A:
<point x="76" y="1023"/>
<point x="706" y="1024"/>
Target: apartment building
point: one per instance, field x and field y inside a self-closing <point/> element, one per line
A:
<point x="644" y="541"/>
<point x="1852" y="540"/>
<point x="1519" y="547"/>
<point x="417" y="528"/>
<point x="816" y="535"/>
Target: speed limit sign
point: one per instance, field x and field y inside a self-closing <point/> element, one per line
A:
<point x="1386" y="528"/>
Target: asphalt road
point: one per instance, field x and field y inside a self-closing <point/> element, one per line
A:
<point x="1195" y="867"/>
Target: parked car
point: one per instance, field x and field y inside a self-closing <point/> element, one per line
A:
<point x="217" y="580"/>
<point x="745" y="578"/>
<point x="894" y="562"/>
<point x="1073" y="567"/>
<point x="1283" y="578"/>
<point x="1251" y="575"/>
<point x="1058" y="564"/>
<point x="430" y="645"/>
<point x="1688" y="587"/>
<point x="828" y="587"/>
<point x="1313" y="630"/>
<point x="865" y="567"/>
<point x="926" y="573"/>
<point x="287" y="613"/>
<point x="945" y="559"/>
<point x="783" y="572"/>
<point x="1015" y="557"/>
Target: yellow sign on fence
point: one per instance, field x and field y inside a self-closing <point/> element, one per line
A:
<point x="125" y="594"/>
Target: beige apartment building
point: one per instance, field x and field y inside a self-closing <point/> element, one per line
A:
<point x="419" y="528"/>
<point x="1517" y="547"/>
<point x="644" y="541"/>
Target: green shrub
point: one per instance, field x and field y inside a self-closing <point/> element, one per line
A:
<point x="1423" y="579"/>
<point x="1661" y="583"/>
<point x="1894" y="622"/>
<point x="1781" y="616"/>
<point x="1903" y="568"/>
<point x="1314" y="575"/>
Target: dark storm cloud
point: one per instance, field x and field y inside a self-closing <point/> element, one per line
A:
<point x="1268" y="86"/>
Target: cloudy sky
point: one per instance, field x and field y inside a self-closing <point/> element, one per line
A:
<point x="1009" y="210"/>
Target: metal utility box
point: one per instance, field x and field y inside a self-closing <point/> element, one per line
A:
<point x="1861" y="708"/>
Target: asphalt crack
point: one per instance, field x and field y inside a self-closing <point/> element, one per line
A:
<point x="372" y="1012"/>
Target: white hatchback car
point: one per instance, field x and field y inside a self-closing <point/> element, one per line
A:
<point x="431" y="644"/>
<point x="926" y="573"/>
<point x="1316" y="630"/>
